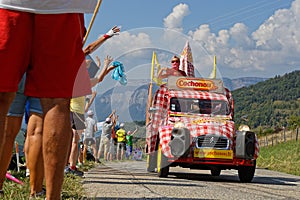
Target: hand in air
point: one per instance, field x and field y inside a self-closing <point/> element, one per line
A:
<point x="114" y="31"/>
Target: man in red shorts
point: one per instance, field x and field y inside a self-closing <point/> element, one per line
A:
<point x="45" y="41"/>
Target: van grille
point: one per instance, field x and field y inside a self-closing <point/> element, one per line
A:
<point x="212" y="141"/>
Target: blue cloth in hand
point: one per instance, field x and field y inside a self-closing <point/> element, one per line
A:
<point x="119" y="73"/>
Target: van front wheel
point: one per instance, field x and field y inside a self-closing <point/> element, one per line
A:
<point x="246" y="173"/>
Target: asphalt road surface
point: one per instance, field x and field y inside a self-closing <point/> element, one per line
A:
<point x="130" y="180"/>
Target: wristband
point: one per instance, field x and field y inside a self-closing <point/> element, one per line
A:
<point x="106" y="36"/>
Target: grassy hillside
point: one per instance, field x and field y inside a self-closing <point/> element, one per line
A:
<point x="270" y="103"/>
<point x="284" y="157"/>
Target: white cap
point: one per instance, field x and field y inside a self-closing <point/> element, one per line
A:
<point x="121" y="125"/>
<point x="108" y="119"/>
<point x="90" y="112"/>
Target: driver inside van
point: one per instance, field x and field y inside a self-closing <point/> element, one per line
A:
<point x="195" y="107"/>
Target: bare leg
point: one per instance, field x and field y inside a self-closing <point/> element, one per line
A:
<point x="100" y="149"/>
<point x="56" y="143"/>
<point x="84" y="153"/>
<point x="74" y="147"/>
<point x="122" y="153"/>
<point x="118" y="152"/>
<point x="34" y="154"/>
<point x="12" y="129"/>
<point x="80" y="156"/>
<point x="94" y="151"/>
<point x="5" y="100"/>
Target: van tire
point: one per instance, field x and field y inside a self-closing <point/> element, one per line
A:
<point x="246" y="173"/>
<point x="215" y="171"/>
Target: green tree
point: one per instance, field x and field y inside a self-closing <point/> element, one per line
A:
<point x="294" y="122"/>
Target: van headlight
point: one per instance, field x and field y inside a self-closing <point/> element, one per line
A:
<point x="179" y="125"/>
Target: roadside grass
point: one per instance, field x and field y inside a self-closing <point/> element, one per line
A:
<point x="283" y="157"/>
<point x="72" y="186"/>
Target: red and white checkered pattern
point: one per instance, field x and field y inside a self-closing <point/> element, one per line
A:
<point x="196" y="129"/>
<point x="197" y="95"/>
<point x="198" y="125"/>
<point x="157" y="118"/>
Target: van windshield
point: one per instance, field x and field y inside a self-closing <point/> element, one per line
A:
<point x="199" y="106"/>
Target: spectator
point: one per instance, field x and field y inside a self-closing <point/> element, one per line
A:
<point x="105" y="137"/>
<point x="111" y="151"/>
<point x="173" y="71"/>
<point x="129" y="143"/>
<point x="98" y="134"/>
<point x="89" y="137"/>
<point x="113" y="140"/>
<point x="77" y="105"/>
<point x="33" y="148"/>
<point x="33" y="154"/>
<point x="121" y="140"/>
<point x="52" y="57"/>
<point x="115" y="129"/>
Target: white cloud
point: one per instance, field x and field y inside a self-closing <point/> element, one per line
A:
<point x="274" y="45"/>
<point x="175" y="19"/>
<point x="123" y="43"/>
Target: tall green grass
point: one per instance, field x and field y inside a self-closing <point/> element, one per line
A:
<point x="72" y="186"/>
<point x="283" y="157"/>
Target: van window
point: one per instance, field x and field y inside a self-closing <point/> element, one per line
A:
<point x="199" y="106"/>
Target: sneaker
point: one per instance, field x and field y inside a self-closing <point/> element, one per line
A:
<point x="40" y="194"/>
<point x="98" y="161"/>
<point x="75" y="172"/>
<point x="79" y="165"/>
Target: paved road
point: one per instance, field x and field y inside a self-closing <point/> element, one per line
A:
<point x="130" y="180"/>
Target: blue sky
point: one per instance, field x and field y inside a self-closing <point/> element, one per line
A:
<point x="251" y="38"/>
<point x="219" y="14"/>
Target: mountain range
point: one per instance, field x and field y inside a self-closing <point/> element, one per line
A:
<point x="130" y="101"/>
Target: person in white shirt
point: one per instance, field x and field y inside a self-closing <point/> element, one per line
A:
<point x="89" y="134"/>
<point x="105" y="137"/>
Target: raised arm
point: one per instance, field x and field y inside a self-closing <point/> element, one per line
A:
<point x="98" y="61"/>
<point x="104" y="71"/>
<point x="163" y="73"/>
<point x="112" y="113"/>
<point x="97" y="43"/>
<point x="136" y="129"/>
<point x="88" y="105"/>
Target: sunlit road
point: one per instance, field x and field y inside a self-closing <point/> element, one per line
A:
<point x="130" y="180"/>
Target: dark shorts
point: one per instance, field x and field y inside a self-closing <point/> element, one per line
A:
<point x="77" y="121"/>
<point x="89" y="141"/>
